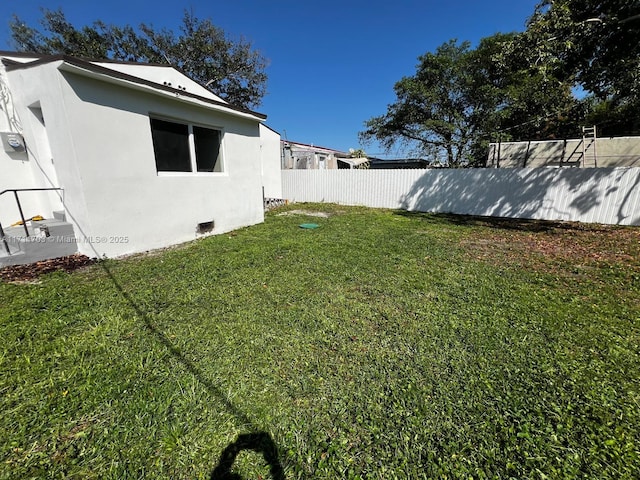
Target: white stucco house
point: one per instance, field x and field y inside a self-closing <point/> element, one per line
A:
<point x="142" y="156"/>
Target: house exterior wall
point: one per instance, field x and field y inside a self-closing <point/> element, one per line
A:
<point x="160" y="74"/>
<point x="16" y="172"/>
<point x="100" y="139"/>
<point x="609" y="152"/>
<point x="30" y="167"/>
<point x="270" y="153"/>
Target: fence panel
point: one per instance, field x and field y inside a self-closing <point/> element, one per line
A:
<point x="594" y="195"/>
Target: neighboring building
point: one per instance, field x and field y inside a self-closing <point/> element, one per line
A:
<point x="301" y="156"/>
<point x="588" y="152"/>
<point x="408" y="163"/>
<point x="143" y="156"/>
<point x="350" y="163"/>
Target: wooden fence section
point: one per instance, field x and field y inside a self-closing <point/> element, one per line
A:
<point x="591" y="195"/>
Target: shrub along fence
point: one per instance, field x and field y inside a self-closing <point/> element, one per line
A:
<point x="592" y="195"/>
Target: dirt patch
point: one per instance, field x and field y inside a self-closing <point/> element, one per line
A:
<point x="573" y="244"/>
<point x="30" y="272"/>
<point x="307" y="213"/>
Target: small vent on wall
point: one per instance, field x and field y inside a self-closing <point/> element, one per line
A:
<point x="205" y="227"/>
<point x="179" y="87"/>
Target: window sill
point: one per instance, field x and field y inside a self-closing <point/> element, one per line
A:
<point x="193" y="174"/>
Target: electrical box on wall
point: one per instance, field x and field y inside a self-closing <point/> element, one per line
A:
<point x="12" y="142"/>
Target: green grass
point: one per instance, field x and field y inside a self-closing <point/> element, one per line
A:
<point x="381" y="345"/>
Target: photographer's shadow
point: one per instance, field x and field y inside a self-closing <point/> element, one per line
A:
<point x="260" y="442"/>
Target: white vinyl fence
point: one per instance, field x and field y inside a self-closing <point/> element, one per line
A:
<point x="591" y="195"/>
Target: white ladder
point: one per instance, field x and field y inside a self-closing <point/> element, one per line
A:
<point x="589" y="152"/>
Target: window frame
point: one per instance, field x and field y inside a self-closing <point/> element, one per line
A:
<point x="192" y="148"/>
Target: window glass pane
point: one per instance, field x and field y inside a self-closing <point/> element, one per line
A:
<point x="171" y="146"/>
<point x="207" y="143"/>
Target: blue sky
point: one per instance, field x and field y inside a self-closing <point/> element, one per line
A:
<point x="332" y="64"/>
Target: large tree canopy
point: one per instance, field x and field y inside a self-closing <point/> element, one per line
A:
<point x="230" y="68"/>
<point x="594" y="41"/>
<point x="460" y="97"/>
<point x="577" y="64"/>
<point x="433" y="107"/>
<point x="595" y="45"/>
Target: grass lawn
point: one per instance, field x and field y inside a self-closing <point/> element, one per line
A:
<point x="381" y="345"/>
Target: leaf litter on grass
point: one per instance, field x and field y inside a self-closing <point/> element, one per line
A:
<point x="559" y="244"/>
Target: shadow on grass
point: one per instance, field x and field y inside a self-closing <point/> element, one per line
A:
<point x="519" y="224"/>
<point x="258" y="442"/>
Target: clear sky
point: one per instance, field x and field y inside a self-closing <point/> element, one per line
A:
<point x="332" y="63"/>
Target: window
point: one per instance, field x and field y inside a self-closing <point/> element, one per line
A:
<point x="171" y="146"/>
<point x="180" y="147"/>
<point x="207" y="143"/>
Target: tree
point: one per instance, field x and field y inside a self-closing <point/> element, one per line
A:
<point x="461" y="98"/>
<point x="62" y="38"/>
<point x="520" y="100"/>
<point x="595" y="45"/>
<point x="522" y="86"/>
<point x="357" y="153"/>
<point x="432" y="110"/>
<point x="532" y="101"/>
<point x="230" y="68"/>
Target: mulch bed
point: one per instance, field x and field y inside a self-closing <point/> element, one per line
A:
<point x="24" y="273"/>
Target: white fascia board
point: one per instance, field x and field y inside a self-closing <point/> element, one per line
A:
<point x="67" y="67"/>
<point x="20" y="58"/>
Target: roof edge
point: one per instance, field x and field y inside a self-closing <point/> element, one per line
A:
<point x="54" y="56"/>
<point x="313" y="146"/>
<point x="10" y="53"/>
<point x="269" y="128"/>
<point x="88" y="65"/>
